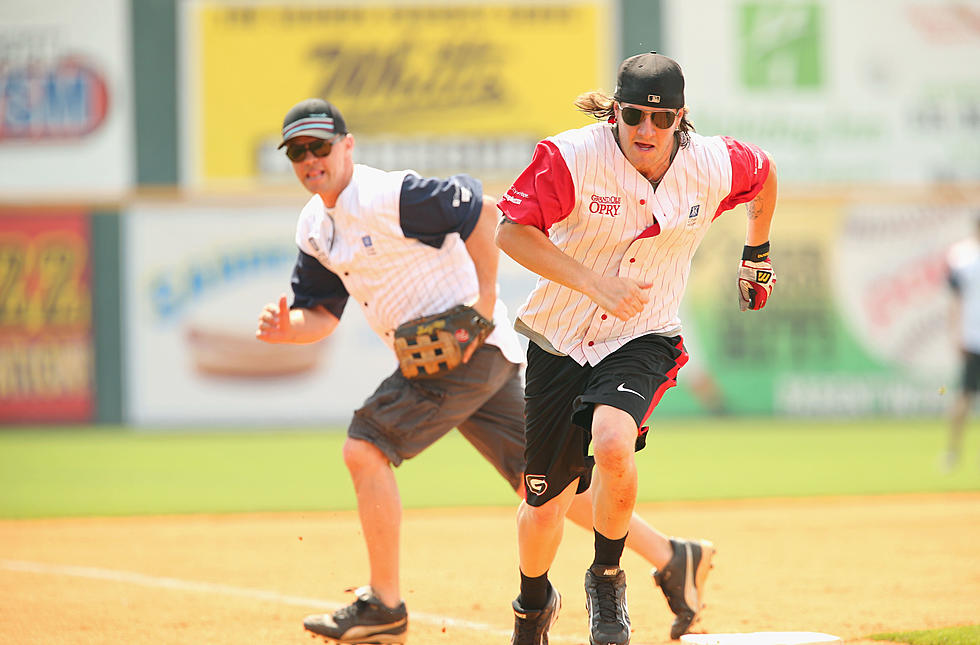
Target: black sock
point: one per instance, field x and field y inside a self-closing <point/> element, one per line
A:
<point x="534" y="591"/>
<point x="608" y="552"/>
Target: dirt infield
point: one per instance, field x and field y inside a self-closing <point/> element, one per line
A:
<point x="847" y="566"/>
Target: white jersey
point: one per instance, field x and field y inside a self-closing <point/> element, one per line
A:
<point x="393" y="243"/>
<point x="597" y="208"/>
<point x="964" y="276"/>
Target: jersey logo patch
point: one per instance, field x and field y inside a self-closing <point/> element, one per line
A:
<point x="605" y="205"/>
<point x="692" y="216"/>
<point x="368" y="245"/>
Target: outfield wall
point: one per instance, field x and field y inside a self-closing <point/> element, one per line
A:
<point x="144" y="147"/>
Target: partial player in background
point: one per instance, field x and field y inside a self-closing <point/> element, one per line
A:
<point x="418" y="257"/>
<point x="963" y="263"/>
<point x="610" y="215"/>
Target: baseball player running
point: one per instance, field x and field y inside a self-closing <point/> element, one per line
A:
<point x="407" y="248"/>
<point x="610" y="215"/>
<point x="963" y="276"/>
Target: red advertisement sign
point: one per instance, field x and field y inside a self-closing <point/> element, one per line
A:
<point x="46" y="335"/>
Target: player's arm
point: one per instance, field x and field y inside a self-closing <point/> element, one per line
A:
<point x="542" y="195"/>
<point x="485" y="256"/>
<point x="531" y="248"/>
<point x="319" y="298"/>
<point x="761" y="209"/>
<point x="280" y="324"/>
<point x="753" y="183"/>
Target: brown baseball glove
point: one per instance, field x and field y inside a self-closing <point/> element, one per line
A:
<point x="438" y="343"/>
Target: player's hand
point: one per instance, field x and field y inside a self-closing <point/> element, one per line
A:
<point x="755" y="282"/>
<point x="622" y="297"/>
<point x="274" y="323"/>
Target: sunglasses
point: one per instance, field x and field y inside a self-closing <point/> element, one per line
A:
<point x="661" y="120"/>
<point x="319" y="148"/>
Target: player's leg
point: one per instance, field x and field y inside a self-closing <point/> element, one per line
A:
<point x="380" y="511"/>
<point x="496" y="430"/>
<point x="622" y="393"/>
<point x="397" y="422"/>
<point x="642" y="538"/>
<point x="960" y="410"/>
<point x="556" y="468"/>
<point x="615" y="481"/>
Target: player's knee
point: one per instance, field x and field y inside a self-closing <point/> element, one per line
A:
<point x="613" y="449"/>
<point x="360" y="455"/>
<point x="549" y="515"/>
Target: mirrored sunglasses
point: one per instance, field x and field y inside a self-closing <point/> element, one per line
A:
<point x="662" y="120"/>
<point x="319" y="148"/>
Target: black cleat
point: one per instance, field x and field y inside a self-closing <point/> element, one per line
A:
<point x="366" y="621"/>
<point x="605" y="601"/>
<point x="531" y="626"/>
<point x="682" y="582"/>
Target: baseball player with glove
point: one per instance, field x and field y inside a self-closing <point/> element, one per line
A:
<point x="610" y="215"/>
<point x="418" y="256"/>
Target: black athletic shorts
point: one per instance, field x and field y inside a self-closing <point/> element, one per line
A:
<point x="971" y="372"/>
<point x="560" y="395"/>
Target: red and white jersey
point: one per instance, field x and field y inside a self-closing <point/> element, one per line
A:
<point x="596" y="207"/>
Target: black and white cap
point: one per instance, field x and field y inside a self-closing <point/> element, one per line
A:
<point x="313" y="118"/>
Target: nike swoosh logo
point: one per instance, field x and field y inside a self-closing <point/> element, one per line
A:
<point x="622" y="388"/>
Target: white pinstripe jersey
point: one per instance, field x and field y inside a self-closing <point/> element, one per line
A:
<point x="597" y="208"/>
<point x="395" y="278"/>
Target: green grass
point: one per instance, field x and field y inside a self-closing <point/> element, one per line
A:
<point x="91" y="471"/>
<point x="966" y="635"/>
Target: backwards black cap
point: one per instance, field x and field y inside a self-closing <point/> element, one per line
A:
<point x="652" y="80"/>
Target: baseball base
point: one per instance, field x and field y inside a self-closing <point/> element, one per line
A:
<point x="760" y="638"/>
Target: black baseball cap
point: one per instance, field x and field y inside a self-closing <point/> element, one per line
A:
<point x="650" y="79"/>
<point x="313" y="118"/>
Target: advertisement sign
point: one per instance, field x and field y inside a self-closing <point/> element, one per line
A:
<point x="46" y="336"/>
<point x="65" y="117"/>
<point x="197" y="279"/>
<point x="458" y="86"/>
<point x="843" y="91"/>
<point x="858" y="320"/>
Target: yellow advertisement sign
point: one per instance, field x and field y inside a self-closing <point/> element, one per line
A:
<point x="400" y="71"/>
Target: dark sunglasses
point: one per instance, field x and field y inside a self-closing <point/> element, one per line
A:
<point x="661" y="120"/>
<point x="319" y="148"/>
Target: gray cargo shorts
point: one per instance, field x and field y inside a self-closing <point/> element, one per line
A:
<point x="483" y="398"/>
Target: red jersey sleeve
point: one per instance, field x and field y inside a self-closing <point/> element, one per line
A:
<point x="544" y="193"/>
<point x="750" y="168"/>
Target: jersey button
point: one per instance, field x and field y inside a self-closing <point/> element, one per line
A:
<point x="632" y="260"/>
<point x="591" y="343"/>
<point x="603" y="316"/>
<point x="642" y="202"/>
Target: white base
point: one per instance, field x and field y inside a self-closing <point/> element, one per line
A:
<point x="760" y="638"/>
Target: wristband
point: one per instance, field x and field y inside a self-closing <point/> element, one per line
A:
<point x="756" y="253"/>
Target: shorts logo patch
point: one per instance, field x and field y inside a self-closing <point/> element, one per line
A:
<point x="461" y="335"/>
<point x="622" y="388"/>
<point x="537" y="484"/>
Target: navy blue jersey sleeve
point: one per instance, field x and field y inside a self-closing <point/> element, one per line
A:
<point x="430" y="209"/>
<point x="314" y="285"/>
